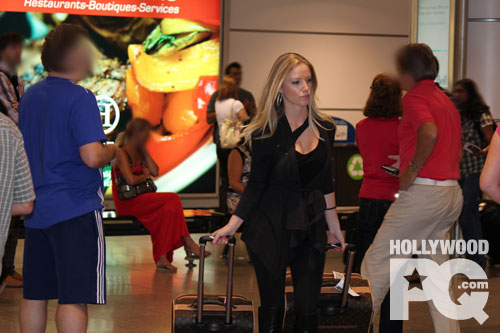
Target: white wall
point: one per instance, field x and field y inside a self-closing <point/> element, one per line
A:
<point x="483" y="49"/>
<point x="348" y="42"/>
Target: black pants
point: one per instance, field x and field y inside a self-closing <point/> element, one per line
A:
<point x="370" y="217"/>
<point x="222" y="156"/>
<point x="11" y="246"/>
<point x="307" y="272"/>
<point x="469" y="219"/>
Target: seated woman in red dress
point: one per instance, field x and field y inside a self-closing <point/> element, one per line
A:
<point x="160" y="213"/>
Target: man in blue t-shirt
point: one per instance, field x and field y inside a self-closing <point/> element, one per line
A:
<point x="64" y="253"/>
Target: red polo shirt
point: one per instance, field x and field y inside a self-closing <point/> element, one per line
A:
<point x="426" y="102"/>
<point x="377" y="138"/>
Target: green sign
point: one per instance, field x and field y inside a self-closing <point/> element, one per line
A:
<point x="106" y="177"/>
<point x="355" y="167"/>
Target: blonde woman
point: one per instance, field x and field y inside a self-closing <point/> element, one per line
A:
<point x="290" y="197"/>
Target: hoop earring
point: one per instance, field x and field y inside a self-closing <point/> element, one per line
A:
<point x="279" y="99"/>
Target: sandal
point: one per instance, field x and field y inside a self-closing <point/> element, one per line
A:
<point x="192" y="256"/>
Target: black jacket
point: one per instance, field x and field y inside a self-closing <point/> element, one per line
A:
<point x="278" y="212"/>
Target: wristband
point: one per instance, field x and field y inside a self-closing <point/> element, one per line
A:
<point x="331" y="208"/>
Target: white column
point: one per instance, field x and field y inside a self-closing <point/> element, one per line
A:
<point x="483" y="50"/>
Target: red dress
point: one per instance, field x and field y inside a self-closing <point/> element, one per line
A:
<point x="160" y="213"/>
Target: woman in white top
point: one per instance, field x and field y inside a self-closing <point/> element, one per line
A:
<point x="227" y="105"/>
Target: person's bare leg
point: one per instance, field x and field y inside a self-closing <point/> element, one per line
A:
<point x="72" y="318"/>
<point x="192" y="248"/>
<point x="33" y="316"/>
<point x="164" y="263"/>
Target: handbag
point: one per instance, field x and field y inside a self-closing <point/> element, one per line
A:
<point x="230" y="131"/>
<point x="126" y="191"/>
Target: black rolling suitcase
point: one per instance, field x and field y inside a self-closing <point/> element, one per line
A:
<point x="339" y="312"/>
<point x="213" y="313"/>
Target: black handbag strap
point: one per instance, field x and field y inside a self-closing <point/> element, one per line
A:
<point x="117" y="181"/>
<point x="129" y="158"/>
<point x="130" y="161"/>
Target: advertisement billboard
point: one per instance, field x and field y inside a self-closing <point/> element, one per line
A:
<point x="156" y="59"/>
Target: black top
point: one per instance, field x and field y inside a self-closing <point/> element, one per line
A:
<point x="279" y="211"/>
<point x="311" y="164"/>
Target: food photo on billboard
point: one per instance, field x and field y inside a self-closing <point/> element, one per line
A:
<point x="157" y="60"/>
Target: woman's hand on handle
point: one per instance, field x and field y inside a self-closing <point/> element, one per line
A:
<point x="334" y="239"/>
<point x="228" y="230"/>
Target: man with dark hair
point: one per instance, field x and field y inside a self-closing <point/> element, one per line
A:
<point x="228" y="70"/>
<point x="244" y="96"/>
<point x="430" y="199"/>
<point x="11" y="90"/>
<point x="11" y="86"/>
<point x="234" y="70"/>
<point x="418" y="61"/>
<point x="64" y="250"/>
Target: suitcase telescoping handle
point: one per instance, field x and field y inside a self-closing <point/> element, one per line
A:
<point x="229" y="289"/>
<point x="351" y="251"/>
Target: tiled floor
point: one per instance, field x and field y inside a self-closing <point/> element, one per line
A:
<point x="140" y="299"/>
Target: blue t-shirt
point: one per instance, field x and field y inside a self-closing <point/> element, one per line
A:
<point x="56" y="117"/>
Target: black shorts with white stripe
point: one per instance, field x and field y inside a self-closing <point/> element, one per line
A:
<point x="66" y="261"/>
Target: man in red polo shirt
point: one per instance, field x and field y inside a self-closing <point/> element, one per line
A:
<point x="430" y="199"/>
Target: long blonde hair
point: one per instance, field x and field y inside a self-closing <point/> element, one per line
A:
<point x="266" y="120"/>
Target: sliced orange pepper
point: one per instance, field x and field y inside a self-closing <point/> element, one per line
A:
<point x="144" y="103"/>
<point x="179" y="113"/>
<point x="176" y="72"/>
<point x="170" y="150"/>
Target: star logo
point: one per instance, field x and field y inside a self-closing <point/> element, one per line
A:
<point x="415" y="280"/>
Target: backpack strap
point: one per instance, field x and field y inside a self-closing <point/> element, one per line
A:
<point x="232" y="110"/>
<point x="242" y="154"/>
<point x="129" y="158"/>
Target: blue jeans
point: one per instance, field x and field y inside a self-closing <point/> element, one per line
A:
<point x="370" y="217"/>
<point x="469" y="219"/>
